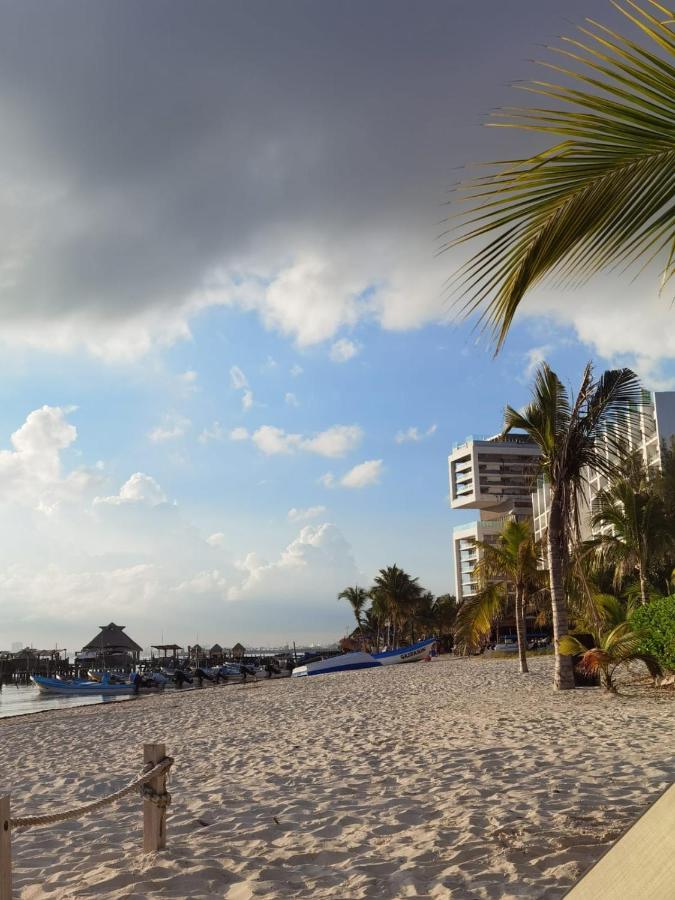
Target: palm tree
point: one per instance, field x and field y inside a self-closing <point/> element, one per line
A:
<point x="511" y="565"/>
<point x="616" y="644"/>
<point x="602" y="194"/>
<point x="515" y="559"/>
<point x="638" y="532"/>
<point x="478" y="613"/>
<point x="357" y="597"/>
<point x="395" y="592"/>
<point x="574" y="437"/>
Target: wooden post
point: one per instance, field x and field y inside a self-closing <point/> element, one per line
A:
<point x="154" y="816"/>
<point x="5" y="849"/>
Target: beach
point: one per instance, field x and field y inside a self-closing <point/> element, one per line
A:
<point x="456" y="778"/>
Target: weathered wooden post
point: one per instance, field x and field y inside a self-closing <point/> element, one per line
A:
<point x="154" y="815"/>
<point x="5" y="849"/>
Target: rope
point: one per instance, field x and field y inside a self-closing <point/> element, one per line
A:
<point x="162" y="800"/>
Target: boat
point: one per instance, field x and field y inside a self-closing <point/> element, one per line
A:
<point x="57" y="686"/>
<point x="362" y="660"/>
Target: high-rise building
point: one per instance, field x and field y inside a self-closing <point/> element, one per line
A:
<point x="495" y="475"/>
<point x="652" y="423"/>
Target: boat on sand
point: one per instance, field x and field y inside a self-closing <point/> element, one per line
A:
<point x="59" y="686"/>
<point x="362" y="660"/>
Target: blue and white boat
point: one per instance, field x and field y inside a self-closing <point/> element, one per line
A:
<point x="361" y="660"/>
<point x="59" y="686"/>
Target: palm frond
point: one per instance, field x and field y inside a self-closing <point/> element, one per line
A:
<point x="602" y="194"/>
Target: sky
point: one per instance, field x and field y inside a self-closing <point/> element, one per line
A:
<point x="230" y="375"/>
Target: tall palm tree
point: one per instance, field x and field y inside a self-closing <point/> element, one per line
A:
<point x="590" y="433"/>
<point x="639" y="532"/>
<point x="602" y="194"/>
<point x="515" y="560"/>
<point x="396" y="592"/>
<point x="357" y="598"/>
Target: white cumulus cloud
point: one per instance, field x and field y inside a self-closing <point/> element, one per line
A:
<point x="365" y="473"/>
<point x="335" y="441"/>
<point x="237" y="378"/>
<point x="139" y="488"/>
<point x="304" y="515"/>
<point x="343" y="350"/>
<point x="414" y="434"/>
<point x="173" y="426"/>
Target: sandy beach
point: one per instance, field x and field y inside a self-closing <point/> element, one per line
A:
<point x="457" y="778"/>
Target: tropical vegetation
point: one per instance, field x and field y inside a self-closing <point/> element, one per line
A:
<point x="400" y="610"/>
<point x="602" y="193"/>
<point x="617" y="643"/>
<point x="590" y="431"/>
<point x="510" y="574"/>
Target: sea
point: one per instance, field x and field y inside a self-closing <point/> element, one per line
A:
<point x="24" y="699"/>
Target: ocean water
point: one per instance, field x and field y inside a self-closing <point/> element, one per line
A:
<point x="23" y="699"/>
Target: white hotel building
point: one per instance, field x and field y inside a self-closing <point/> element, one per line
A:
<point x="497" y="476"/>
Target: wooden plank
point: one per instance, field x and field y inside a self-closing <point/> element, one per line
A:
<point x="5" y="849"/>
<point x="641" y="864"/>
<point x="154" y="817"/>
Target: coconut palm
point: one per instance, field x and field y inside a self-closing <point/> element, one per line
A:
<point x="638" y="531"/>
<point x="395" y="593"/>
<point x="573" y="437"/>
<point x="357" y="598"/>
<point x="511" y="565"/>
<point x="602" y="194"/>
<point x="478" y="613"/>
<point x="615" y="645"/>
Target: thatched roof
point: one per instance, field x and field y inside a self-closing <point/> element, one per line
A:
<point x="216" y="649"/>
<point x="112" y="637"/>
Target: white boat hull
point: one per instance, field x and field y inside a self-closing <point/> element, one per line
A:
<point x="352" y="661"/>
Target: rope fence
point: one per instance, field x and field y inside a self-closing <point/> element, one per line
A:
<point x="151" y="784"/>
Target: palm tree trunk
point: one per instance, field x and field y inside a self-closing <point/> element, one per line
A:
<point x="643" y="586"/>
<point x="520" y="630"/>
<point x="563" y="678"/>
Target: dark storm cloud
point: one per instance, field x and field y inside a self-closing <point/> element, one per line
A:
<point x="147" y="142"/>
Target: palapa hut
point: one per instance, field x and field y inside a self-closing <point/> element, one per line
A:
<point x="114" y="647"/>
<point x="238" y="651"/>
<point x="216" y="654"/>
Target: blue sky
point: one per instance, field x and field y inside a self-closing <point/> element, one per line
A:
<point x="222" y="302"/>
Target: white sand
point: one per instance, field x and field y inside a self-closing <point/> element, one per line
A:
<point x="457" y="778"/>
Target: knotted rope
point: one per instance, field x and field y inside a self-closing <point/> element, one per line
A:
<point x="141" y="782"/>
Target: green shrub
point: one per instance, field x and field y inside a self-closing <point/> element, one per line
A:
<point x="656" y="621"/>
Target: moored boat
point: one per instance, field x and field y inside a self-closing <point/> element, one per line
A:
<point x="362" y="660"/>
<point x="57" y="686"/>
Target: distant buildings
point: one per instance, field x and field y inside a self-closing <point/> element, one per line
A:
<point x="497" y="476"/>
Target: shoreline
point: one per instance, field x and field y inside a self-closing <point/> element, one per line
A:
<point x="442" y="779"/>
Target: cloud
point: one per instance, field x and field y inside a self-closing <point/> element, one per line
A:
<point x="214" y="433"/>
<point x="304" y="515"/>
<point x="290" y="399"/>
<point x="318" y="561"/>
<point x="365" y="473"/>
<point x="237" y="378"/>
<point x="343" y="350"/>
<point x="239" y="434"/>
<point x="333" y="442"/>
<point x="174" y="426"/>
<point x="296" y="370"/>
<point x="247" y="400"/>
<point x="128" y="553"/>
<point x="32" y="473"/>
<point x="180" y="196"/>
<point x="534" y="357"/>
<point x="361" y="475"/>
<point x="414" y="435"/>
<point x="139" y="488"/>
